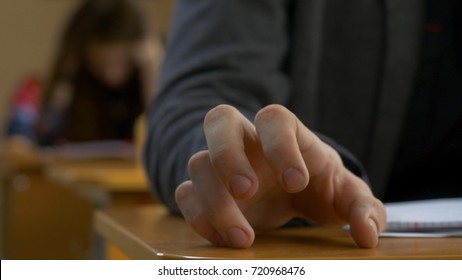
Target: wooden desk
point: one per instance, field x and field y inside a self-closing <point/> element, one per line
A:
<point x="46" y="189"/>
<point x="48" y="192"/>
<point x="151" y="233"/>
<point x="36" y="223"/>
<point x="103" y="182"/>
<point x="114" y="175"/>
<point x="3" y="211"/>
<point x="9" y="167"/>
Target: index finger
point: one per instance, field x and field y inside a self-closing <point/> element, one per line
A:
<point x="229" y="134"/>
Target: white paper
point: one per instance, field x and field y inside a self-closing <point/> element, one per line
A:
<point x="425" y="218"/>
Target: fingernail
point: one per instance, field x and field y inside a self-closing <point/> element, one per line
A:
<point x="236" y="237"/>
<point x="293" y="179"/>
<point x="373" y="226"/>
<point x="240" y="185"/>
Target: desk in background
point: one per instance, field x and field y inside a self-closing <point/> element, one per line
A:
<point x="35" y="216"/>
<point x="103" y="182"/>
<point x="47" y="203"/>
<point x="149" y="232"/>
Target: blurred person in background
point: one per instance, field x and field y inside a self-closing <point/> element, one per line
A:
<point x="100" y="82"/>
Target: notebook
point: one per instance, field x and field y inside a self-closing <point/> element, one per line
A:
<point x="424" y="218"/>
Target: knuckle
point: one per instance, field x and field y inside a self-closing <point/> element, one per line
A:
<point x="221" y="155"/>
<point x="274" y="148"/>
<point x="197" y="162"/>
<point x="270" y="112"/>
<point x="338" y="176"/>
<point x="218" y="113"/>
<point x="182" y="193"/>
<point x="332" y="154"/>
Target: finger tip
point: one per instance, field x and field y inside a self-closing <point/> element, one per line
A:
<point x="239" y="239"/>
<point x="366" y="235"/>
<point x="369" y="244"/>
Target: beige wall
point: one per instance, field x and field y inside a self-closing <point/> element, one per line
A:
<point x="28" y="32"/>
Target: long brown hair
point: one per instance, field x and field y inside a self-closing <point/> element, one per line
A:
<point x="104" y="21"/>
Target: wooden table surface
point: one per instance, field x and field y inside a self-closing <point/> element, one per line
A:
<point x="113" y="175"/>
<point x="149" y="232"/>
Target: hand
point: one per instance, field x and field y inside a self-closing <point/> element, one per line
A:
<point x="148" y="55"/>
<point x="261" y="176"/>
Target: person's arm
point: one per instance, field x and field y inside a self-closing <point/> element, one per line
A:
<point x="148" y="56"/>
<point x="20" y="143"/>
<point x="25" y="111"/>
<point x="232" y="169"/>
<point x="218" y="52"/>
<point x="52" y="120"/>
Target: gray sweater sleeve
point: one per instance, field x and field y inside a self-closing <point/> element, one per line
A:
<point x="219" y="52"/>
